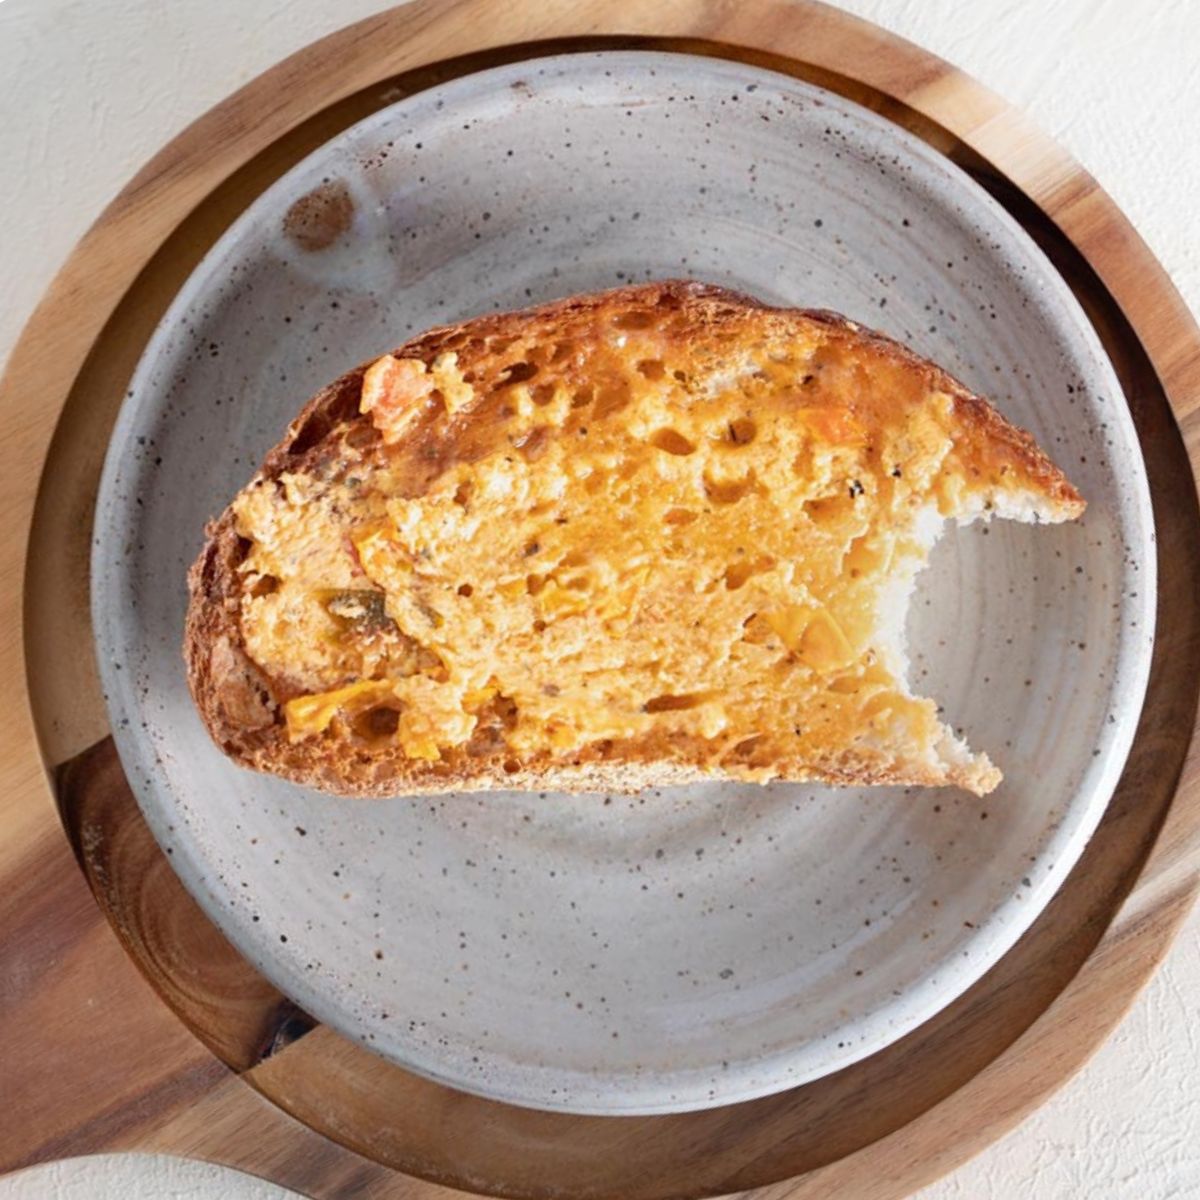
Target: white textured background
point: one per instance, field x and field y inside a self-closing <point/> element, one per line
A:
<point x="89" y="89"/>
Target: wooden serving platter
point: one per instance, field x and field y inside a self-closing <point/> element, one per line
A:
<point x="128" y="1022"/>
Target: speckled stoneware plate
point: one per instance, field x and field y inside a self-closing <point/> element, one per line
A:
<point x="697" y="946"/>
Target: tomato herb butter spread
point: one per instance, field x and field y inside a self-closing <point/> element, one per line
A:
<point x="661" y="526"/>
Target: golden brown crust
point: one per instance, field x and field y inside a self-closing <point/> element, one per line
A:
<point x="242" y="707"/>
<point x="991" y="428"/>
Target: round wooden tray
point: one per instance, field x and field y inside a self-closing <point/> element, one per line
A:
<point x="127" y="1022"/>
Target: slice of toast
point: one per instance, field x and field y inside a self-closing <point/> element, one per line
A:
<point x="646" y="537"/>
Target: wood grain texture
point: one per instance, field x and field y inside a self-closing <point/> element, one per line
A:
<point x="97" y="1057"/>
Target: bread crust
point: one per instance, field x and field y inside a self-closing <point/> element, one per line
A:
<point x="241" y="706"/>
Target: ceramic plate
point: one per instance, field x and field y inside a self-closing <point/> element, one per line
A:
<point x="697" y="946"/>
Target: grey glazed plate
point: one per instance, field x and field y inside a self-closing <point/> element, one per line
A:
<point x="697" y="946"/>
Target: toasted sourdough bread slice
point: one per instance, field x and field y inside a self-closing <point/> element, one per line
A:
<point x="650" y="536"/>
